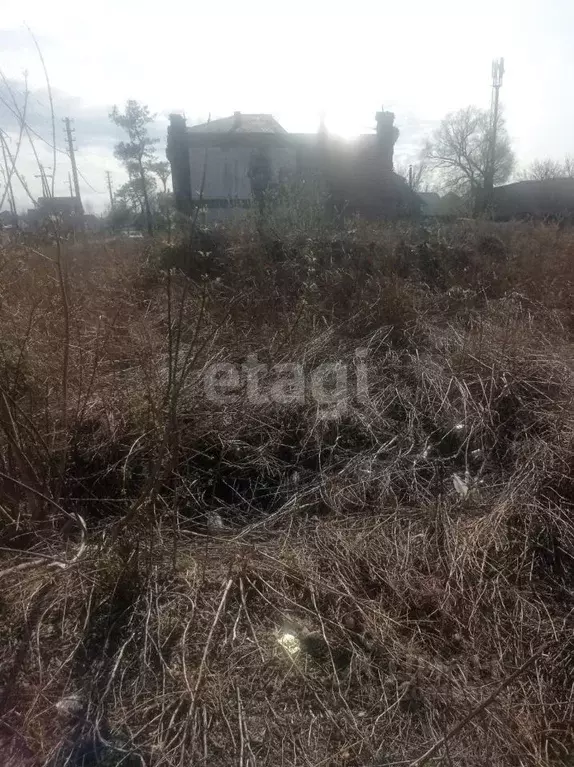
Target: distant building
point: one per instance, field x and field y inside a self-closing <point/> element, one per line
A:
<point x="67" y="209"/>
<point x="93" y="223"/>
<point x="229" y="163"/>
<point x="551" y="198"/>
<point x="10" y="225"/>
<point x="453" y="205"/>
<point x="433" y="205"/>
<point x="7" y="218"/>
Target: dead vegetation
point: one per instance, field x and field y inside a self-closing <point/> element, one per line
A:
<point x="252" y="583"/>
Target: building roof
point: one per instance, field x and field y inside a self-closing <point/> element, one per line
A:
<point x="547" y="185"/>
<point x="240" y="123"/>
<point x="58" y="203"/>
<point x="550" y="196"/>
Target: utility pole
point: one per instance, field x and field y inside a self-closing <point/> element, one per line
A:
<point x="69" y="132"/>
<point x="109" y="177"/>
<point x="43" y="176"/>
<point x="411" y="176"/>
<point x="70" y="184"/>
<point x="497" y="77"/>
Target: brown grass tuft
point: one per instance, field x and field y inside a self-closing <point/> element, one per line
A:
<point x="416" y="548"/>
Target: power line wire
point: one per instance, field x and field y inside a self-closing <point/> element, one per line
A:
<point x="96" y="191"/>
<point x="53" y="147"/>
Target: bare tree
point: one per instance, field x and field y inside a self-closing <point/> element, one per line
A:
<point x="459" y="152"/>
<point x="544" y="170"/>
<point x="416" y="174"/>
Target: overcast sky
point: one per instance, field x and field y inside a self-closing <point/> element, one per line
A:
<point x="420" y="58"/>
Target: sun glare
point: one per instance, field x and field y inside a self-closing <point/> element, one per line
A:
<point x="345" y="126"/>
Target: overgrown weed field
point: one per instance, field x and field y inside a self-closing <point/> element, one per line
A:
<point x="363" y="560"/>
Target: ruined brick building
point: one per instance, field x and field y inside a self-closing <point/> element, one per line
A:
<point x="228" y="165"/>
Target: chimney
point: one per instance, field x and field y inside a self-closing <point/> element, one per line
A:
<point x="178" y="156"/>
<point x="236" y="120"/>
<point x="387" y="135"/>
<point x="176" y="133"/>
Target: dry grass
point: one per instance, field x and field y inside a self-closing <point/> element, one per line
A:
<point x="417" y="548"/>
